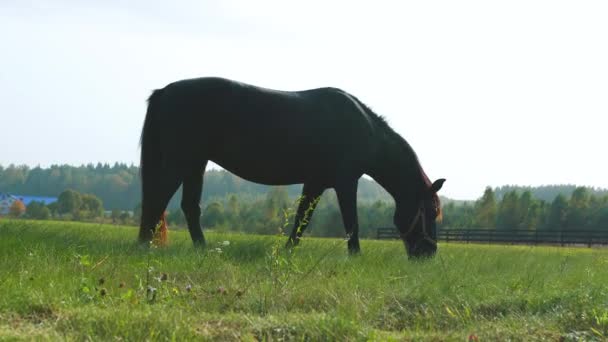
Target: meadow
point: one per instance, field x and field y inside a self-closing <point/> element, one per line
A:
<point x="78" y="281"/>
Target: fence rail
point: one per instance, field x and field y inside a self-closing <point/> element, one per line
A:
<point x="514" y="236"/>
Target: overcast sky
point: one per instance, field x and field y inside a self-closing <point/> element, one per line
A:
<point x="486" y="92"/>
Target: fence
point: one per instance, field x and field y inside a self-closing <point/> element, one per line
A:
<point x="514" y="236"/>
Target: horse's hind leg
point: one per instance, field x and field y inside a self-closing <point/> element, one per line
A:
<point x="191" y="197"/>
<point x="308" y="203"/>
<point x="157" y="191"/>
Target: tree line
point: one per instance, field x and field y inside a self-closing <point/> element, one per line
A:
<point x="274" y="214"/>
<point x="231" y="203"/>
<point x="70" y="205"/>
<point x="584" y="209"/>
<point x="546" y="193"/>
<point x="119" y="186"/>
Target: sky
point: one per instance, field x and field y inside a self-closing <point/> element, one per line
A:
<point x="488" y="93"/>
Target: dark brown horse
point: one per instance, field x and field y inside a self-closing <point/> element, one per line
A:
<point x="323" y="138"/>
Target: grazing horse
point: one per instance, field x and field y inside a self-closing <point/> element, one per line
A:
<point x="322" y="138"/>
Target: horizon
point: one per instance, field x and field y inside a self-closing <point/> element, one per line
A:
<point x="487" y="94"/>
<point x="494" y="188"/>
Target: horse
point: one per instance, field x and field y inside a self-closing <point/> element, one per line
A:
<point x="322" y="138"/>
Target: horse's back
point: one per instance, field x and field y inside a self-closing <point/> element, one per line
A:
<point x="254" y="130"/>
<point x="210" y="96"/>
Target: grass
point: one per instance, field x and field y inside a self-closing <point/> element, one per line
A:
<point x="75" y="281"/>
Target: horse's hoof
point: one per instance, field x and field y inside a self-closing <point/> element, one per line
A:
<point x="144" y="240"/>
<point x="199" y="244"/>
<point x="291" y="243"/>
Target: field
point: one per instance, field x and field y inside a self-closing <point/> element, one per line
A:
<point x="75" y="281"/>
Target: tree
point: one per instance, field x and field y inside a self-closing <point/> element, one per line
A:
<point x="277" y="199"/>
<point x="557" y="213"/>
<point x="527" y="209"/>
<point x="535" y="215"/>
<point x="485" y="210"/>
<point x="578" y="208"/>
<point x="52" y="208"/>
<point x="69" y="202"/>
<point x="328" y="222"/>
<point x="213" y="215"/>
<point x="233" y="206"/>
<point x="457" y="216"/>
<point x="17" y="209"/>
<point x="37" y="210"/>
<point x="372" y="216"/>
<point x="508" y="214"/>
<point x="91" y="205"/>
<point x="602" y="219"/>
<point x="233" y="212"/>
<point x="176" y="217"/>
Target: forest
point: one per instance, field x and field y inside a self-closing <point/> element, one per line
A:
<point x="519" y="208"/>
<point x="119" y="186"/>
<point x="232" y="204"/>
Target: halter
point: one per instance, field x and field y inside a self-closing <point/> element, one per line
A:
<point x="420" y="215"/>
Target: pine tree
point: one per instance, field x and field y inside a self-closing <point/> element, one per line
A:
<point x="557" y="213"/>
<point x="578" y="206"/>
<point x="508" y="216"/>
<point x="524" y="206"/>
<point x="485" y="210"/>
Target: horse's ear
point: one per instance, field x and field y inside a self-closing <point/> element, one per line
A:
<point x="437" y="185"/>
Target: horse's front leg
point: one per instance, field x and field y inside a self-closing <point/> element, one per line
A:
<point x="347" y="199"/>
<point x="310" y="197"/>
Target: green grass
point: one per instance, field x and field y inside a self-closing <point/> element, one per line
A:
<point x="75" y="281"/>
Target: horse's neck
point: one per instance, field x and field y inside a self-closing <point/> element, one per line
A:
<point x="398" y="172"/>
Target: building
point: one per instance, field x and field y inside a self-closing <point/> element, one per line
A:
<point x="7" y="200"/>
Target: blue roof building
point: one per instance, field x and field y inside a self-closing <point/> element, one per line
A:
<point x="29" y="199"/>
<point x="7" y="200"/>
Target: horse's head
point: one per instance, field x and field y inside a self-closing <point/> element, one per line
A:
<point x="417" y="222"/>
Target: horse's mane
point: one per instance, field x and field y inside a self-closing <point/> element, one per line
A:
<point x="377" y="118"/>
<point x="381" y="122"/>
<point x="428" y="183"/>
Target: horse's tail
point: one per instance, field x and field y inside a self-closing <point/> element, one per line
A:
<point x="150" y="141"/>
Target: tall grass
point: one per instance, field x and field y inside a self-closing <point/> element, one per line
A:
<point x="85" y="281"/>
